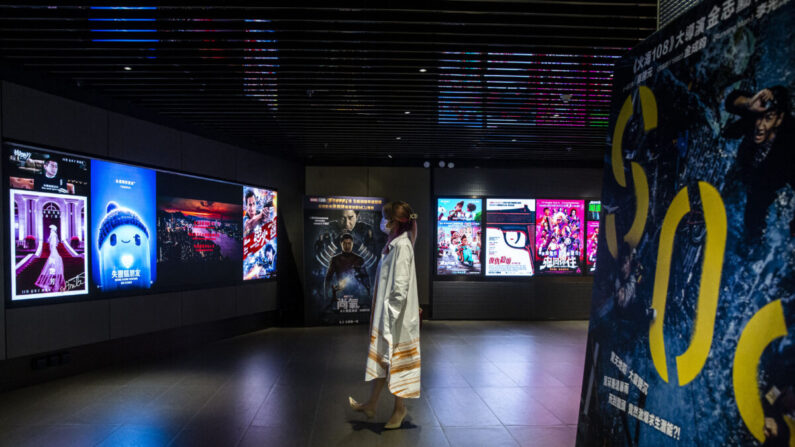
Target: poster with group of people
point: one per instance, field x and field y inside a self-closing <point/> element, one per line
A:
<point x="691" y="340"/>
<point x="343" y="245"/>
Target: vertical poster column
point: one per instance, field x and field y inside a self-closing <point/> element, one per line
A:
<point x="458" y="234"/>
<point x="47" y="206"/>
<point x="510" y="237"/>
<point x="691" y="339"/>
<point x="123" y="224"/>
<point x="259" y="233"/>
<point x="592" y="214"/>
<point x="343" y="245"/>
<point x="560" y="236"/>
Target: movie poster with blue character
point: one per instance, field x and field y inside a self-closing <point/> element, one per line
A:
<point x="691" y="340"/>
<point x="124" y="226"/>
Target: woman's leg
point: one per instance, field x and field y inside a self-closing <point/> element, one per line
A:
<point x="378" y="386"/>
<point x="397" y="414"/>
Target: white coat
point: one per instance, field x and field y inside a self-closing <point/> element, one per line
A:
<point x="395" y="322"/>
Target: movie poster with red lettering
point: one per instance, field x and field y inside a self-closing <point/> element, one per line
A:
<point x="259" y="233"/>
<point x="560" y="236"/>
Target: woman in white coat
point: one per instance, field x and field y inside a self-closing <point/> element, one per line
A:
<point x="394" y="356"/>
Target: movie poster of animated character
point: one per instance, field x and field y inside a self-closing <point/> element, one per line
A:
<point x="458" y="233"/>
<point x="123" y="217"/>
<point x="343" y="245"/>
<point x="259" y="233"/>
<point x="691" y="340"/>
<point x="560" y="236"/>
<point x="510" y="237"/>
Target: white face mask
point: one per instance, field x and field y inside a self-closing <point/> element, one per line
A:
<point x="383" y="226"/>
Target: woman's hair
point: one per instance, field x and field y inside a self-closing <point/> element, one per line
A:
<point x="401" y="218"/>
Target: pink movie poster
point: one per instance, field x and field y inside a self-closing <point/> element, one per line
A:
<point x="591" y="244"/>
<point x="560" y="236"/>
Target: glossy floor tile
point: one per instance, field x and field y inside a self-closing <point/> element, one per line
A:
<point x="484" y="383"/>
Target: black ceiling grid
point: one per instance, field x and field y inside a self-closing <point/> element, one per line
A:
<point x="360" y="82"/>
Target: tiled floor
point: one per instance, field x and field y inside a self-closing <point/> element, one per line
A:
<point x="483" y="384"/>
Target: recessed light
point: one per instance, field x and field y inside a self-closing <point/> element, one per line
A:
<point x="426" y="164"/>
<point x="407" y="112"/>
<point x="514" y="140"/>
<point x="451" y="165"/>
<point x="441" y="163"/>
<point x="127" y="68"/>
<point x="389" y="155"/>
<point x="556" y="116"/>
<point x="423" y="70"/>
<point x="397" y="138"/>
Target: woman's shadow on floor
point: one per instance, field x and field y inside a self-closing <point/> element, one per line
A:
<point x="378" y="427"/>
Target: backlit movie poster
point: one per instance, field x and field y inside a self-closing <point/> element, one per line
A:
<point x="343" y="245"/>
<point x="259" y="233"/>
<point x="591" y="245"/>
<point x="199" y="231"/>
<point x="123" y="223"/>
<point x="458" y="234"/>
<point x="48" y="227"/>
<point x="560" y="236"/>
<point x="510" y="236"/>
<point x="692" y="334"/>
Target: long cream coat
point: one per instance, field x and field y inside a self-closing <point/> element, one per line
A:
<point x="395" y="322"/>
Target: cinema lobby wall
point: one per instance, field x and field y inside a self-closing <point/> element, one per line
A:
<point x="536" y="298"/>
<point x="176" y="319"/>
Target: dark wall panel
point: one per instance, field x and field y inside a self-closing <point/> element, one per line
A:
<point x="141" y="314"/>
<point x="38" y="329"/>
<point x="31" y="115"/>
<point x="139" y="141"/>
<point x="537" y="298"/>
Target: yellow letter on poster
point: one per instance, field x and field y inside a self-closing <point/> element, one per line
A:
<point x="690" y="363"/>
<point x="765" y="326"/>
<point x="679" y="207"/>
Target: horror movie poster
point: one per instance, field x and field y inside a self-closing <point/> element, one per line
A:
<point x="47" y="210"/>
<point x="510" y="236"/>
<point x="343" y="245"/>
<point x="560" y="236"/>
<point x="691" y="340"/>
<point x="458" y="234"/>
<point x="199" y="231"/>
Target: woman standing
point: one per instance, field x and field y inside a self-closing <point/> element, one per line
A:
<point x="394" y="356"/>
<point x="51" y="277"/>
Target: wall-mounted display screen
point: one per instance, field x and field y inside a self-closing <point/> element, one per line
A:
<point x="47" y="217"/>
<point x="559" y="236"/>
<point x="458" y="233"/>
<point x="259" y="233"/>
<point x="591" y="246"/>
<point x="592" y="214"/>
<point x="343" y="244"/>
<point x="80" y="226"/>
<point x="510" y="236"/>
<point x="123" y="224"/>
<point x="199" y="230"/>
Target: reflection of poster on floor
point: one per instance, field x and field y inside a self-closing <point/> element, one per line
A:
<point x="343" y="245"/>
<point x="691" y="340"/>
<point x="47" y="245"/>
<point x="510" y="236"/>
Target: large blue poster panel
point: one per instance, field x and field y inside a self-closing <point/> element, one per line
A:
<point x="692" y="334"/>
<point x="123" y="225"/>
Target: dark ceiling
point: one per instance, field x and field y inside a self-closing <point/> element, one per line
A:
<point x="516" y="80"/>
